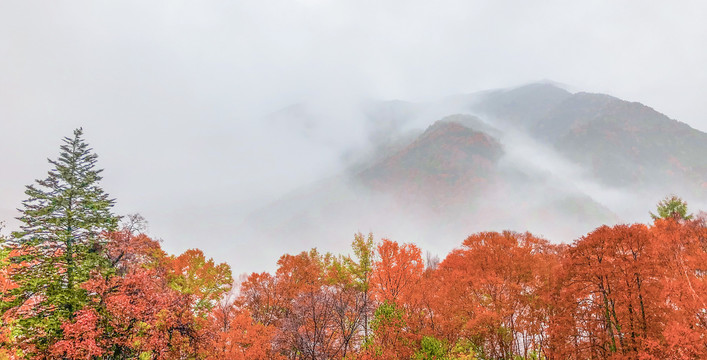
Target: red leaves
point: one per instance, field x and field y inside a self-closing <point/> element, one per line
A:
<point x="126" y="250"/>
<point x="81" y="337"/>
<point x="622" y="292"/>
<point x="157" y="306"/>
<point x="7" y="268"/>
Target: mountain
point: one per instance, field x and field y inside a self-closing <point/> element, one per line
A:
<point x="449" y="161"/>
<point x="621" y="143"/>
<point x="536" y="158"/>
<point x="522" y="107"/>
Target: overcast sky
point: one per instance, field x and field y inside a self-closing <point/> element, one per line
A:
<point x="170" y="93"/>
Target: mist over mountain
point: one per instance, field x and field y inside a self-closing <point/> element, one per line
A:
<point x="622" y="143"/>
<point x="447" y="159"/>
<point x="536" y="158"/>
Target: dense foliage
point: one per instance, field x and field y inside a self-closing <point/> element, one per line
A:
<point x="74" y="286"/>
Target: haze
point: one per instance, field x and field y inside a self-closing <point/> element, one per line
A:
<point x="175" y="96"/>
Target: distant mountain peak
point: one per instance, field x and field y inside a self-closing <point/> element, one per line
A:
<point x="569" y="161"/>
<point x="554" y="83"/>
<point x="445" y="126"/>
<point x="447" y="160"/>
<point x="448" y="133"/>
<point x="472" y="122"/>
<point x="543" y="85"/>
<point x="521" y="106"/>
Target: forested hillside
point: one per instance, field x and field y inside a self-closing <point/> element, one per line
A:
<point x="79" y="282"/>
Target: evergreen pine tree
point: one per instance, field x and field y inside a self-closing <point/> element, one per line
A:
<point x="60" y="242"/>
<point x="672" y="207"/>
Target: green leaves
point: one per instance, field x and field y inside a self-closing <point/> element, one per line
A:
<point x="431" y="349"/>
<point x="203" y="280"/>
<point x="59" y="245"/>
<point x="672" y="207"/>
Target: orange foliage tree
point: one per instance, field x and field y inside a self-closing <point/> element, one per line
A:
<point x="320" y="304"/>
<point x="492" y="294"/>
<point x="237" y="335"/>
<point x="620" y="292"/>
<point x="395" y="284"/>
<point x="634" y="291"/>
<point x="611" y="294"/>
<point x="682" y="255"/>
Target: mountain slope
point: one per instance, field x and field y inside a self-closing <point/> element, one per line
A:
<point x="630" y="144"/>
<point x="521" y="107"/>
<point x="447" y="162"/>
<point x="536" y="158"/>
<point x="621" y="143"/>
<point x="449" y="181"/>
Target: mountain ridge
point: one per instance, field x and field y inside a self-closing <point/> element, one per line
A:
<point x="456" y="174"/>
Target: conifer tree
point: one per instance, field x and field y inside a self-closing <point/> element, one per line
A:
<point x="672" y="207"/>
<point x="60" y="243"/>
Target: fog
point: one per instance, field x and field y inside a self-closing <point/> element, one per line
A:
<point x="179" y="98"/>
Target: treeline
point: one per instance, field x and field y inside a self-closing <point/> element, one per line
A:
<point x="77" y="285"/>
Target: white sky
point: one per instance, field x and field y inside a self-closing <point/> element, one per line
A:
<point x="170" y="92"/>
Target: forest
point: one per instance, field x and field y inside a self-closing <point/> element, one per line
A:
<point x="80" y="282"/>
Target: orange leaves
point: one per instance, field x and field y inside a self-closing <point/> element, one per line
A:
<point x="683" y="260"/>
<point x="302" y="272"/>
<point x="397" y="286"/>
<point x="398" y="270"/>
<point x="261" y="294"/>
<point x="634" y="292"/>
<point x="308" y="320"/>
<point x="393" y="337"/>
<point x="492" y="292"/>
<point x="610" y="281"/>
<point x="621" y="292"/>
<point x="321" y="305"/>
<point x="242" y="338"/>
<point x="202" y="280"/>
